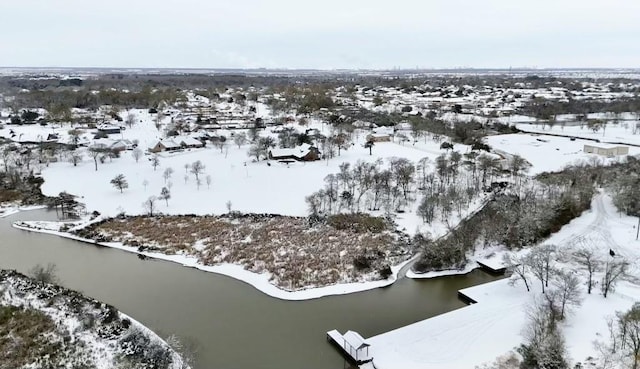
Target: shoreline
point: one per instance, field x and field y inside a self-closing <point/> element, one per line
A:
<point x="60" y="304"/>
<point x="258" y="281"/>
<point x="12" y="210"/>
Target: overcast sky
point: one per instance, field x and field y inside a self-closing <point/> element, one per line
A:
<point x="325" y="34"/>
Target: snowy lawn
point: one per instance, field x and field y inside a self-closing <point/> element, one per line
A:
<point x="547" y="153"/>
<point x="479" y="333"/>
<point x="249" y="187"/>
<point x="617" y="133"/>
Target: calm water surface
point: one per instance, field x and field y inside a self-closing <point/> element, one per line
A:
<point x="230" y="324"/>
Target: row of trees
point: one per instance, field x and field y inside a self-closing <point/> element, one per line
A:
<point x="365" y="186"/>
<point x="522" y="214"/>
<point x="60" y="102"/>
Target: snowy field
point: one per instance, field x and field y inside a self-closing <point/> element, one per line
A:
<point x="480" y="333"/>
<point x="547" y="153"/>
<point x="251" y="187"/>
<point x="614" y="133"/>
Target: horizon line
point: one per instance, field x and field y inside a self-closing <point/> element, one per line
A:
<point x="286" y="69"/>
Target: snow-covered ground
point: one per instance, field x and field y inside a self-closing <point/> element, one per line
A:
<point x="256" y="187"/>
<point x="621" y="132"/>
<point x="479" y="333"/>
<point x="84" y="329"/>
<point x="8" y="210"/>
<point x="259" y="281"/>
<point x="548" y="153"/>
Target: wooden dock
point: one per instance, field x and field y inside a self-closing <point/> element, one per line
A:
<point x="352" y="345"/>
<point x="492" y="269"/>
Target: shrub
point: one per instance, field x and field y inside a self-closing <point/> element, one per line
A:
<point x="385" y="272"/>
<point x="44" y="274"/>
<point x="358" y="222"/>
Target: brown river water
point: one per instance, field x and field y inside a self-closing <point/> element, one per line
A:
<point x="227" y="323"/>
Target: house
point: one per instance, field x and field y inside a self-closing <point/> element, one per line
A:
<point x="109" y="129"/>
<point x="188" y="142"/>
<point x="304" y="152"/>
<point x="379" y="137"/>
<point x="606" y="150"/>
<point x="403" y="126"/>
<point x="111" y="145"/>
<point x="165" y="145"/>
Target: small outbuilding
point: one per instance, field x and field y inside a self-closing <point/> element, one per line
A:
<point x="109" y="129"/>
<point x="606" y="150"/>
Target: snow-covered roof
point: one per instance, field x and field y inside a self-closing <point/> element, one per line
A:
<point x="168" y="143"/>
<point x="297" y="152"/>
<point x="383" y="130"/>
<point x="189" y="141"/>
<point x="108" y="127"/>
<point x="355" y="340"/>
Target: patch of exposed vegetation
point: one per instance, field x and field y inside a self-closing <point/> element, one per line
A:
<point x="24" y="190"/>
<point x="513" y="219"/>
<point x="25" y="338"/>
<point x="48" y="326"/>
<point x="296" y="254"/>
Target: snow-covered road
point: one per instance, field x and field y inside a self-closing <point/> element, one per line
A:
<point x="479" y="333"/>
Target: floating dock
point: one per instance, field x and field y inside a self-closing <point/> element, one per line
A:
<point x="352" y="345"/>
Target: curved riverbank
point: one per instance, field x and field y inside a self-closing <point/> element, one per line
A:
<point x="258" y="281"/>
<point x="218" y="317"/>
<point x="72" y="329"/>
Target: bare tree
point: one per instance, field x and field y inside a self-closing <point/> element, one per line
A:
<point x="519" y="267"/>
<point x="120" y="182"/>
<point x="95" y="153"/>
<point x="228" y="205"/>
<point x="197" y="168"/>
<point x="75" y="158"/>
<point x="145" y="183"/>
<point x="567" y="287"/>
<point x="545" y="346"/>
<point x="220" y="144"/>
<point x="209" y="180"/>
<point x="7" y="154"/>
<point x="240" y="139"/>
<point x="130" y="120"/>
<point x="150" y="205"/>
<point x="590" y="262"/>
<point x="403" y="171"/>
<point x="137" y="154"/>
<point x="540" y="260"/>
<point x="155" y="162"/>
<point x="165" y="195"/>
<point x="167" y="174"/>
<point x="628" y="324"/>
<point x="613" y="271"/>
